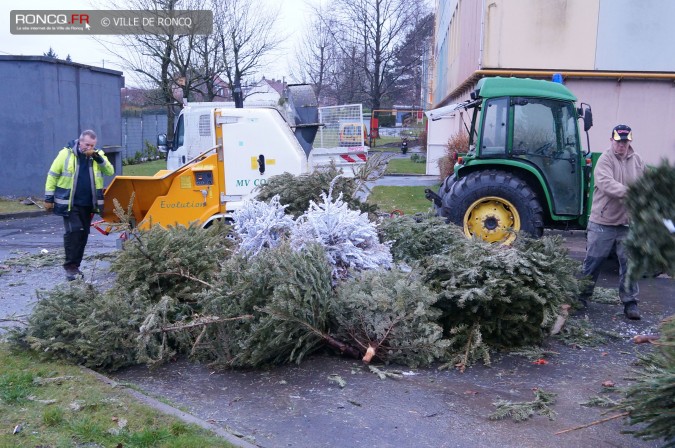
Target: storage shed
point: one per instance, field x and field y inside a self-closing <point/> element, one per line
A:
<point x="46" y="103"/>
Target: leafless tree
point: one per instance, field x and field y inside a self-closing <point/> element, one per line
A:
<point x="211" y="66"/>
<point x="349" y="78"/>
<point x="148" y="56"/>
<point x="379" y="27"/>
<point x="245" y="29"/>
<point x="317" y="57"/>
<point x="164" y="62"/>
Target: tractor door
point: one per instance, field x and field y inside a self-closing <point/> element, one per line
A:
<point x="545" y="133"/>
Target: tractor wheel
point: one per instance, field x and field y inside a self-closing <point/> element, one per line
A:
<point x="443" y="190"/>
<point x="492" y="204"/>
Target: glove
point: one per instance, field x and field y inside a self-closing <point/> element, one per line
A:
<point x="49" y="206"/>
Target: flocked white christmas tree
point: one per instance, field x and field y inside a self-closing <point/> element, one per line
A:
<point x="349" y="238"/>
<point x="261" y="224"/>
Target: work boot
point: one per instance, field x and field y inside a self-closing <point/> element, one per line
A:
<point x="73" y="274"/>
<point x="630" y="309"/>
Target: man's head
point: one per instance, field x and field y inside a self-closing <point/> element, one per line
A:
<point x="621" y="138"/>
<point x="87" y="140"/>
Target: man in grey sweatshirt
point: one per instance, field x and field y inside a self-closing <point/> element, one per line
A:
<point x="617" y="168"/>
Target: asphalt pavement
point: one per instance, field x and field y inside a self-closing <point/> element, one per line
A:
<point x="301" y="406"/>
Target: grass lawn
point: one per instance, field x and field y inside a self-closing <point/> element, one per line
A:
<point x="15" y="205"/>
<point x="409" y="200"/>
<point x="405" y="166"/>
<point x="59" y="405"/>
<point x="386" y="140"/>
<point x="144" y="169"/>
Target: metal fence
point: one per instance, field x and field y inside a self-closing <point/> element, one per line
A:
<point x="136" y="131"/>
<point x="341" y="139"/>
<point x="342" y="126"/>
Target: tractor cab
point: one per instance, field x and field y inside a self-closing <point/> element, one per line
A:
<point x="525" y="133"/>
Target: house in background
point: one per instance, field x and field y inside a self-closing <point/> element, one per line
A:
<point x="221" y="90"/>
<point x="613" y="54"/>
<point x="266" y="92"/>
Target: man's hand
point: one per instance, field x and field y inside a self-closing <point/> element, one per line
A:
<point x="92" y="154"/>
<point x="49" y="206"/>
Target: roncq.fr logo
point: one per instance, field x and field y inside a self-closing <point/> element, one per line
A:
<point x="51" y="19"/>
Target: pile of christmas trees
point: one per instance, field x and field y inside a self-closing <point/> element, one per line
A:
<point x="277" y="286"/>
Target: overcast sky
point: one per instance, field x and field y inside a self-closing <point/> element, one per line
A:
<point x="86" y="50"/>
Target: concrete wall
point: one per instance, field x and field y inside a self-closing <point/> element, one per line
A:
<point x="439" y="132"/>
<point x="457" y="45"/>
<point x="586" y="36"/>
<point x="635" y="35"/>
<point x="530" y="34"/>
<point x="648" y="107"/>
<point x="46" y="103"/>
<point x="616" y="35"/>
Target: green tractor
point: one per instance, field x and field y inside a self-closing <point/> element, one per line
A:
<point x="525" y="169"/>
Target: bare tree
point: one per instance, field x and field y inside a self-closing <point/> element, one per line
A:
<point x="349" y="78"/>
<point x="379" y="28"/>
<point x="162" y="61"/>
<point x="317" y="56"/>
<point x="210" y="67"/>
<point x="148" y="56"/>
<point x="245" y="29"/>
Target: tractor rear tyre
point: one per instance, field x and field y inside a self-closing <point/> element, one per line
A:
<point x="492" y="205"/>
<point x="443" y="190"/>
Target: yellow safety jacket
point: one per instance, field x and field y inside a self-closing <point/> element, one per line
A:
<point x="62" y="177"/>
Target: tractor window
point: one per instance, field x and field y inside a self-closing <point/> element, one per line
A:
<point x="545" y="134"/>
<point x="493" y="134"/>
<point x="534" y="128"/>
<point x="569" y="133"/>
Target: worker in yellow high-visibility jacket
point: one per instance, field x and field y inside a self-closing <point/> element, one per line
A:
<point x="74" y="190"/>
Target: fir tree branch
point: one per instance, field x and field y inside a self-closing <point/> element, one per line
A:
<point x="597" y="422"/>
<point x="462" y="364"/>
<point x="17" y="319"/>
<point x="330" y="340"/>
<point x="189" y="277"/>
<point x="201" y="322"/>
<point x="198" y="340"/>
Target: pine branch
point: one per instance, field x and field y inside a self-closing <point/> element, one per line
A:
<point x="465" y="361"/>
<point x="189" y="277"/>
<point x="17" y="319"/>
<point x="525" y="409"/>
<point x="199" y="322"/>
<point x="330" y="340"/>
<point x="596" y="422"/>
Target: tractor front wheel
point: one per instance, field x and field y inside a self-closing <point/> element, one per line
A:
<point x="493" y="205"/>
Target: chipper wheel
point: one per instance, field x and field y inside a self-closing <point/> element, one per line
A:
<point x="492" y="205"/>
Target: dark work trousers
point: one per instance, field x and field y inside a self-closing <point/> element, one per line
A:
<point x="77" y="225"/>
<point x="599" y="242"/>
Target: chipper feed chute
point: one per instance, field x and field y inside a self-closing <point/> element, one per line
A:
<point x="189" y="194"/>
